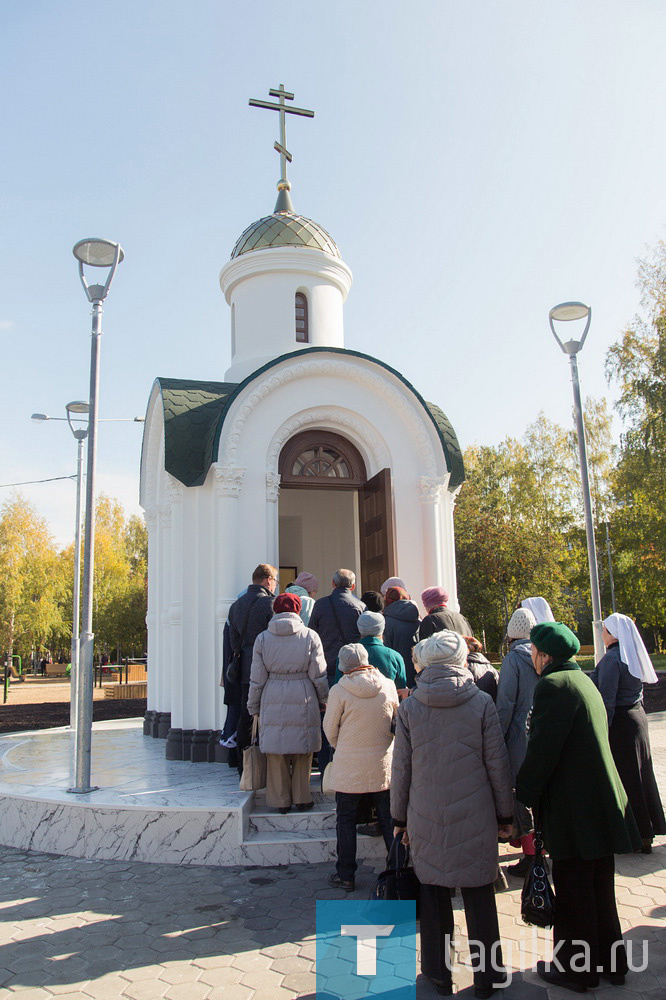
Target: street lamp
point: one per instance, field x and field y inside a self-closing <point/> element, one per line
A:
<point x="565" y="312"/>
<point x="76" y="410"/>
<point x="106" y="254"/>
<point x="80" y="434"/>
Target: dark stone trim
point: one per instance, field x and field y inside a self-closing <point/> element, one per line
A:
<point x="174" y="745"/>
<point x="196" y="745"/>
<point x="148" y="720"/>
<point x="163" y="724"/>
<point x="200" y="743"/>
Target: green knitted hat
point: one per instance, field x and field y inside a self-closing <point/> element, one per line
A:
<point x="555" y="639"/>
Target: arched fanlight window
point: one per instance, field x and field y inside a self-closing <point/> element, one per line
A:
<point x="302" y="326"/>
<point x="321" y="458"/>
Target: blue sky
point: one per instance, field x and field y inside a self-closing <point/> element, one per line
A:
<point x="476" y="163"/>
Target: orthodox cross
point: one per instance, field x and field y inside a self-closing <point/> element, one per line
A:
<point x="282" y="109"/>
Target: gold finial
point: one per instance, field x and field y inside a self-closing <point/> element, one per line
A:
<point x="283" y="203"/>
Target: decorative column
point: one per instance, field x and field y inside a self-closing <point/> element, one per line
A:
<point x="228" y="488"/>
<point x="272" y="538"/>
<point x="151" y="517"/>
<point x="448" y="532"/>
<point x="162" y="667"/>
<point x="174" y="749"/>
<point x="432" y="491"/>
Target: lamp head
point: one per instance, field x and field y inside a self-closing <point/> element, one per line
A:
<point x="565" y="312"/>
<point x="97" y="253"/>
<point x="76" y="409"/>
<point x="77" y="406"/>
<point x="39" y="416"/>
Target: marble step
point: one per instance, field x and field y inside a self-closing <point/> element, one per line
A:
<point x="321" y="816"/>
<point x="283" y="847"/>
<point x="259" y="803"/>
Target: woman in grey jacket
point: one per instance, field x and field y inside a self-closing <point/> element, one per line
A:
<point x="515" y="693"/>
<point x="451" y="792"/>
<point x="287" y="687"/>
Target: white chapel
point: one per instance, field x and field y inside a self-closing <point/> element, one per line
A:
<point x="305" y="455"/>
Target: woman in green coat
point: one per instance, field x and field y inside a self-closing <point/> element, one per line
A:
<point x="568" y="777"/>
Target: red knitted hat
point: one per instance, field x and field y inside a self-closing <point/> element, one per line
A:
<point x="287" y="602"/>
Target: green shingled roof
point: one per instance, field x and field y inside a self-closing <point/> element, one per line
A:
<point x="192" y="411"/>
<point x="194" y="414"/>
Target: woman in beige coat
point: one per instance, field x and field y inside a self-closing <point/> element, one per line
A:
<point x="358" y="722"/>
<point x="287" y="686"/>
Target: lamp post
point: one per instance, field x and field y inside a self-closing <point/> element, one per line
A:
<point x="75" y="411"/>
<point x="80" y="434"/>
<point x="566" y="312"/>
<point x="106" y="254"/>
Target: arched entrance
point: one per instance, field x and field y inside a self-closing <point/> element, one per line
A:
<point x="331" y="515"/>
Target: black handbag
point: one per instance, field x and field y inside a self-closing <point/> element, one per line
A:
<point x="399" y="880"/>
<point x="537" y="900"/>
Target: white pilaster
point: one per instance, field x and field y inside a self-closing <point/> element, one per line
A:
<point x="175" y="610"/>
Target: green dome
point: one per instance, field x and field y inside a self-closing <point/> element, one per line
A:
<point x="284" y="229"/>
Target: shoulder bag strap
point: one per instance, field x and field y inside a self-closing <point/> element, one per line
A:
<point x="337" y="617"/>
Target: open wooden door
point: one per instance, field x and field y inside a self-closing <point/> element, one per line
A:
<point x="375" y="501"/>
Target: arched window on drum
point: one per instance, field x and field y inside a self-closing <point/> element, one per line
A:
<point x="302" y="323"/>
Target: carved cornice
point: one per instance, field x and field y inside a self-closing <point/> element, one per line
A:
<point x="432" y="489"/>
<point x="228" y="480"/>
<point x="175" y="490"/>
<point x="272" y="486"/>
<point x="152" y="518"/>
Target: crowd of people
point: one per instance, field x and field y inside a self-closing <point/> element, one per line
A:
<point x="423" y="741"/>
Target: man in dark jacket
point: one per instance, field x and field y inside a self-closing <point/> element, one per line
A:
<point x="335" y="619"/>
<point x="249" y="617"/>
<point x="439" y="617"/>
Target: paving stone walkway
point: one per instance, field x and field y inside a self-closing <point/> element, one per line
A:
<point x="81" y="929"/>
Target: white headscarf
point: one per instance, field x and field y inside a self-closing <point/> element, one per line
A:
<point x="540" y="608"/>
<point x="393" y="581"/>
<point x="632" y="648"/>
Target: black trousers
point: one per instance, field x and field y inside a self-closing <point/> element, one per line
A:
<point x="482" y="932"/>
<point x="585" y="911"/>
<point x="347" y="805"/>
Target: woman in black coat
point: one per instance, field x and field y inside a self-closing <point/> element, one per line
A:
<point x="620" y="676"/>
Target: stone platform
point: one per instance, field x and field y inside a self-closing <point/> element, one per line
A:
<point x="148" y="808"/>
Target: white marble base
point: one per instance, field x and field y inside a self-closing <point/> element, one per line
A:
<point x="147" y="808"/>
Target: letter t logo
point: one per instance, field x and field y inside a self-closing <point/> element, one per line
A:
<point x="366" y="944"/>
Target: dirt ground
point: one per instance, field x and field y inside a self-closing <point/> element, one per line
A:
<point x="43" y="704"/>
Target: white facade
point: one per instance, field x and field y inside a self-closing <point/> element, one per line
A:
<point x="205" y="540"/>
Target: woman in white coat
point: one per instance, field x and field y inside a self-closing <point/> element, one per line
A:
<point x="287" y="687"/>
